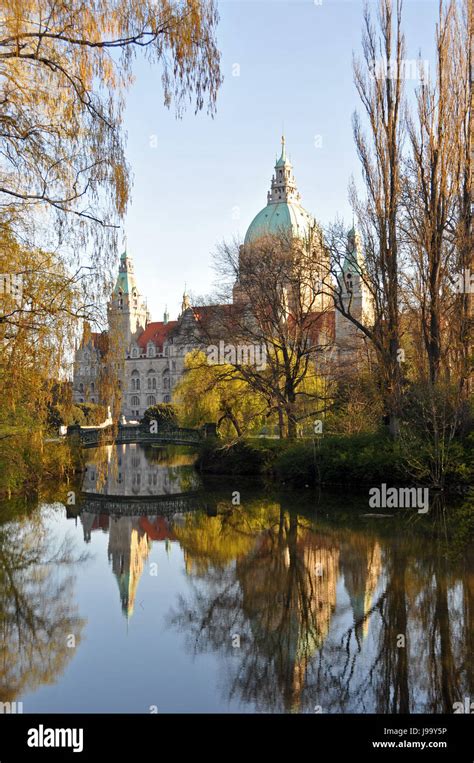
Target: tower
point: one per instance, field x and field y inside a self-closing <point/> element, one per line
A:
<point x="356" y="296"/>
<point x="186" y="302"/>
<point x="127" y="309"/>
<point x="285" y="213"/>
<point x="283" y="210"/>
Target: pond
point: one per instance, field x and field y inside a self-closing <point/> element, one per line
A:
<point x="148" y="589"/>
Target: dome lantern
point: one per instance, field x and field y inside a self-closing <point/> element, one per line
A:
<point x="283" y="210"/>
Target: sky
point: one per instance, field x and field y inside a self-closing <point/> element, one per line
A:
<point x="287" y="66"/>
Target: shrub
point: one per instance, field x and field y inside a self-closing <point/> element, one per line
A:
<point x="164" y="414"/>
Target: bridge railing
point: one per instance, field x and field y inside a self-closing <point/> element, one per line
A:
<point x="90" y="436"/>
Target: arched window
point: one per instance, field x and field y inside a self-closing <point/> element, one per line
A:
<point x="151" y="400"/>
<point x="92" y="387"/>
<point x="150" y="350"/>
<point x="135" y="401"/>
<point x="135" y="380"/>
<point x="166" y="379"/>
<point x="81" y="388"/>
<point x="120" y="300"/>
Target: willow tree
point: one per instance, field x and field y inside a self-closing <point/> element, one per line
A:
<point x="64" y="69"/>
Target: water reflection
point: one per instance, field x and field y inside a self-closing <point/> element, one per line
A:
<point x="137" y="472"/>
<point x="302" y="604"/>
<point x="336" y="619"/>
<point x="130" y="540"/>
<point x="39" y="623"/>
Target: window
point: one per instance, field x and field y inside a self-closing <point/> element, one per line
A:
<point x="92" y="387"/>
<point x="166" y="399"/>
<point x="81" y="388"/>
<point x="135" y="400"/>
<point x="151" y="400"/>
<point x="134" y="352"/>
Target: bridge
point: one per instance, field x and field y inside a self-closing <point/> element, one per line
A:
<point x="105" y="435"/>
<point x="159" y="505"/>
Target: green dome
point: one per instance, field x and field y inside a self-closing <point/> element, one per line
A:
<point x="275" y="217"/>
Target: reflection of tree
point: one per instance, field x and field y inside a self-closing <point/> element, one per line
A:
<point x="37" y="613"/>
<point x="279" y="598"/>
<point x="254" y="572"/>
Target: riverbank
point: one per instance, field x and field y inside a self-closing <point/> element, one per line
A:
<point x="362" y="459"/>
<point x="27" y="461"/>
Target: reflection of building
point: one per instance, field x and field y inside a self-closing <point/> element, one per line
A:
<point x="289" y="594"/>
<point x="128" y="471"/>
<point x="130" y="541"/>
<point x="128" y="550"/>
<point x="361" y="565"/>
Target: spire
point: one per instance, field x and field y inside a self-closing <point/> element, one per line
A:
<point x="283" y="186"/>
<point x="283" y="150"/>
<point x="353" y="260"/>
<point x="166" y="315"/>
<point x="186" y="302"/>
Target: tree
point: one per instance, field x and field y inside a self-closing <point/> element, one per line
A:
<point x="278" y="329"/>
<point x="164" y="414"/>
<point x="64" y="69"/>
<point x="431" y="185"/>
<point x="216" y="393"/>
<point x="379" y="83"/>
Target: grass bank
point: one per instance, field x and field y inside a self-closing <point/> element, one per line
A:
<point x="362" y="459"/>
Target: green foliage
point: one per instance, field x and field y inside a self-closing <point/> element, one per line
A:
<point x="215" y="393"/>
<point x="242" y="457"/>
<point x="339" y="460"/>
<point x="165" y="414"/>
<point x="93" y="413"/>
<point x="26" y="462"/>
<point x="436" y="434"/>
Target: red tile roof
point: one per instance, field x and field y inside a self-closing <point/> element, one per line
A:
<point x="156" y="332"/>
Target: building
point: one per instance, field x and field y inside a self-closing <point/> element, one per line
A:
<point x="151" y="354"/>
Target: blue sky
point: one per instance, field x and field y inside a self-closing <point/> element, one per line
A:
<point x="200" y="180"/>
